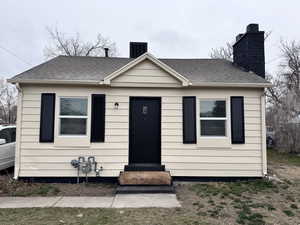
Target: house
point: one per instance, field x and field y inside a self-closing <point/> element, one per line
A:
<point x="192" y="117"/>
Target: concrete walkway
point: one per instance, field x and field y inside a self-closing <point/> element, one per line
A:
<point x="117" y="201"/>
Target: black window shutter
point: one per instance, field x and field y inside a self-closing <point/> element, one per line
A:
<point x="237" y="120"/>
<point x="47" y="117"/>
<point x="189" y="120"/>
<point x="98" y="118"/>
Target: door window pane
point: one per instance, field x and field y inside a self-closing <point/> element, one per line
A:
<point x="212" y="108"/>
<point x="73" y="106"/>
<point x="213" y="127"/>
<point x="73" y="126"/>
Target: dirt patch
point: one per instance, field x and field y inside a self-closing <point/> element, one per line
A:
<point x="291" y="173"/>
<point x="11" y="187"/>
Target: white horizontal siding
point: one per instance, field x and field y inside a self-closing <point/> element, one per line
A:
<point x="213" y="166"/>
<point x="73" y="152"/>
<point x="143" y="79"/>
<point x="66" y="159"/>
<point x="47" y="159"/>
<point x="146" y="74"/>
<point x="53" y="172"/>
<point x="175" y="145"/>
<point x="209" y="159"/>
<point x="31" y="111"/>
<point x="211" y="153"/>
<point x="66" y="166"/>
<point x="58" y="149"/>
<point x="216" y="173"/>
<point x="30" y="125"/>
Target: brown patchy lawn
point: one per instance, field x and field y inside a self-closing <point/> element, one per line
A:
<point x="276" y="158"/>
<point x="10" y="187"/>
<point x="245" y="202"/>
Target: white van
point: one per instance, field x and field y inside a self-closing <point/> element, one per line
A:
<point x="7" y="146"/>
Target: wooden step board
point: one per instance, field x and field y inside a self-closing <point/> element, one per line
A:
<point x="145" y="178"/>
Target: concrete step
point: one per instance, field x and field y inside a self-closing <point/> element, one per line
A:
<point x="144" y="167"/>
<point x="145" y="178"/>
<point x="130" y="189"/>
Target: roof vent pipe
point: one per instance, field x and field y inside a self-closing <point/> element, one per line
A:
<point x="106" y="51"/>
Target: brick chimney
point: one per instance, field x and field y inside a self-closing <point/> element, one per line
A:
<point x="137" y="48"/>
<point x="249" y="50"/>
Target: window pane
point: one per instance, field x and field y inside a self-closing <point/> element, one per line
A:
<point x="5" y="134"/>
<point x="72" y="126"/>
<point x="211" y="108"/>
<point x="73" y="106"/>
<point x="13" y="134"/>
<point x="213" y="127"/>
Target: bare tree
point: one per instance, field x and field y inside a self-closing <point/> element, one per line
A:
<point x="277" y="91"/>
<point x="61" y="44"/>
<point x="226" y="52"/>
<point x="287" y="81"/>
<point x="285" y="99"/>
<point x="8" y="102"/>
<point x="223" y="52"/>
<point x="291" y="65"/>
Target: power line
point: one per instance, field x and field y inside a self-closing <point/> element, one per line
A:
<point x="13" y="54"/>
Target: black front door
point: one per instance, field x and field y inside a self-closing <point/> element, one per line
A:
<point x="144" y="130"/>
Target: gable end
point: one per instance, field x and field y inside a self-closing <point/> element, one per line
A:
<point x="146" y="71"/>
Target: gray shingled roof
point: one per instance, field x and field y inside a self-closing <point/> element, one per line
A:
<point x="69" y="68"/>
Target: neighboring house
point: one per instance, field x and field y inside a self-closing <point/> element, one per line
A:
<point x="196" y="117"/>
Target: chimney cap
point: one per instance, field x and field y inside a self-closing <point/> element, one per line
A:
<point x="252" y="28"/>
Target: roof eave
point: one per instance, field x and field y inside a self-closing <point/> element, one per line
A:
<point x="221" y="84"/>
<point x="92" y="82"/>
<point x="39" y="81"/>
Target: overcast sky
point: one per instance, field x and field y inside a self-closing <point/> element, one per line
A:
<point x="173" y="29"/>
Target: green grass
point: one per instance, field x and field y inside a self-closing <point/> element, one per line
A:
<point x="17" y="189"/>
<point x="238" y="193"/>
<point x="57" y="216"/>
<point x="42" y="190"/>
<point x="45" y="190"/>
<point x="289" y="213"/>
<point x="234" y="188"/>
<point x="283" y="158"/>
<point x="246" y="216"/>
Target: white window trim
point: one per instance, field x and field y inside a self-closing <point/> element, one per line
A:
<point x="213" y="118"/>
<point x="72" y="117"/>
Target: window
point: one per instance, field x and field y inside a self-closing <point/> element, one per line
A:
<point x="213" y="118"/>
<point x="12" y="134"/>
<point x="5" y="134"/>
<point x="73" y="116"/>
